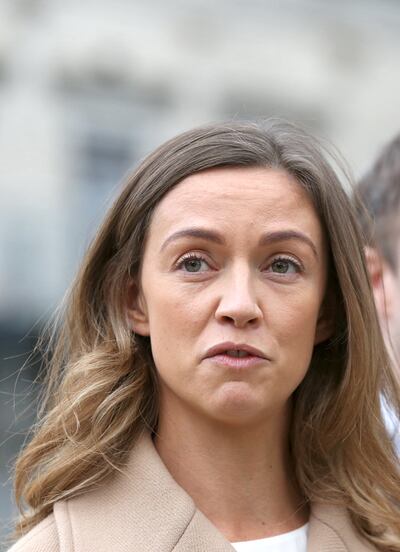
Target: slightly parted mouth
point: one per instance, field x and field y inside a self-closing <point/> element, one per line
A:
<point x="222" y="348"/>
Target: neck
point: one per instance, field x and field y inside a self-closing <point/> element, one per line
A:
<point x="241" y="478"/>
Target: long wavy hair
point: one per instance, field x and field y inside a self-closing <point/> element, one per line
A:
<point x="101" y="387"/>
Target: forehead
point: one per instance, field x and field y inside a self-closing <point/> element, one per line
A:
<point x="245" y="199"/>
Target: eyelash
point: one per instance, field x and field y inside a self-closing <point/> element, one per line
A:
<point x="287" y="258"/>
<point x="194" y="256"/>
<point x="189" y="257"/>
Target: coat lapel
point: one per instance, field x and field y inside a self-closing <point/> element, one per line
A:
<point x="331" y="530"/>
<point x="143" y="509"/>
<point x="201" y="536"/>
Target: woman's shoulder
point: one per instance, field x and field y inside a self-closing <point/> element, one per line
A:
<point x="329" y="525"/>
<point x="42" y="538"/>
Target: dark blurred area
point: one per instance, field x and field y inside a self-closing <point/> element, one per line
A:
<point x="18" y="403"/>
<point x="87" y="89"/>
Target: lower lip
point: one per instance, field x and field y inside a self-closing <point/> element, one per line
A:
<point x="237" y="362"/>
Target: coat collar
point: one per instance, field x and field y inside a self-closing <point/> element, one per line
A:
<point x="143" y="508"/>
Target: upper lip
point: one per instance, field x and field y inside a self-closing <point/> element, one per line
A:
<point x="229" y="346"/>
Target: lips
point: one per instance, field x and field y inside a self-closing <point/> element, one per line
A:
<point x="223" y="348"/>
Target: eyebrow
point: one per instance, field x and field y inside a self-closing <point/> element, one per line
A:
<point x="216" y="237"/>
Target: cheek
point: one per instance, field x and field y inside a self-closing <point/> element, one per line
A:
<point x="175" y="320"/>
<point x="296" y="333"/>
<point x="300" y="324"/>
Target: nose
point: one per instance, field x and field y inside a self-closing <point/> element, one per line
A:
<point x="238" y="303"/>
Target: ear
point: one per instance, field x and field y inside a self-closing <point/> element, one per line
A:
<point x="377" y="269"/>
<point x="379" y="274"/>
<point x="137" y="310"/>
<point x="326" y="319"/>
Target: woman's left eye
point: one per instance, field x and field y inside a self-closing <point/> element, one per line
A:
<point x="193" y="264"/>
<point x="284" y="266"/>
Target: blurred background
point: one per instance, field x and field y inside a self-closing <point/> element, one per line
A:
<point x="88" y="88"/>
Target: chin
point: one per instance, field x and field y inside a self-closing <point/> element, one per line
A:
<point x="236" y="404"/>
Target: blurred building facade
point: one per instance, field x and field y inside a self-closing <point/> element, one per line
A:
<point x="88" y="88"/>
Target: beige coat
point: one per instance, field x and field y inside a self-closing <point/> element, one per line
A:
<point x="145" y="510"/>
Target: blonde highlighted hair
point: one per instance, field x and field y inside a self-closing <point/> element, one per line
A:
<point x="102" y="383"/>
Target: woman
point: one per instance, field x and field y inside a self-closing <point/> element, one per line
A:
<point x="216" y="382"/>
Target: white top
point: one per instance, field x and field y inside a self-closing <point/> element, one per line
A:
<point x="294" y="541"/>
<point x="392" y="424"/>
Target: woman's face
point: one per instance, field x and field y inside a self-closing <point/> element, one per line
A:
<point x="235" y="260"/>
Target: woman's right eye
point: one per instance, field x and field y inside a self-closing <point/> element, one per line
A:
<point x="193" y="263"/>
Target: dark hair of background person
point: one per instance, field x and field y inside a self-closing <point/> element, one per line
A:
<point x="102" y="382"/>
<point x="379" y="191"/>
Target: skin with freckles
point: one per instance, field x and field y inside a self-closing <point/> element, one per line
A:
<point x="233" y="255"/>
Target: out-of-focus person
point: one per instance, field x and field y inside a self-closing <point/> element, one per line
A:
<point x="379" y="191"/>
